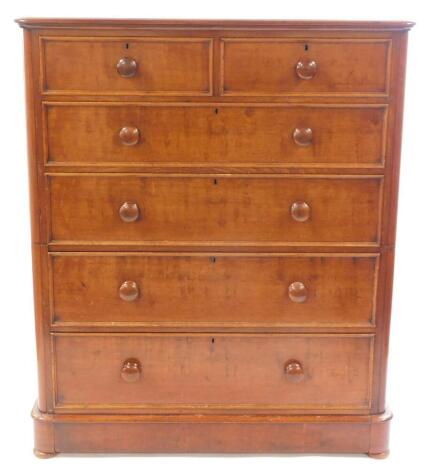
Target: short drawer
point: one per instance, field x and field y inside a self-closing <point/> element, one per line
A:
<point x="202" y="290"/>
<point x="216" y="134"/>
<point x="212" y="210"/>
<point x="179" y="66"/>
<point x="318" y="66"/>
<point x="212" y="372"/>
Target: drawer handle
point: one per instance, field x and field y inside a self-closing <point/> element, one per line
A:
<point x="129" y="291"/>
<point x="127" y="67"/>
<point x="131" y="370"/>
<point x="297" y="292"/>
<point x="306" y="69"/>
<point x="303" y="136"/>
<point x="300" y="211"/>
<point x="294" y="371"/>
<point x="129" y="135"/>
<point x="129" y="212"/>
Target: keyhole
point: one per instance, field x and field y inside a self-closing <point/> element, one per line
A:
<point x="306" y="47"/>
<point x="215" y="181"/>
<point x="213" y="340"/>
<point x="213" y="259"/>
<point x="216" y="110"/>
<point x="127" y="45"/>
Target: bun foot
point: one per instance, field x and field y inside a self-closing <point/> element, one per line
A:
<point x="379" y="455"/>
<point x="44" y="455"/>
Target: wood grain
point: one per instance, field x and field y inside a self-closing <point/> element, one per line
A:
<point x="217" y="433"/>
<point x="270" y="66"/>
<point x="233" y="209"/>
<point x="213" y="371"/>
<point x="209" y="291"/>
<point x="164" y="65"/>
<point x="223" y="194"/>
<point x="215" y="134"/>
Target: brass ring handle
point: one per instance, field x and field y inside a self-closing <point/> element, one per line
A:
<point x="129" y="135"/>
<point x="129" y="212"/>
<point x="297" y="292"/>
<point x="129" y="291"/>
<point x="131" y="370"/>
<point x="127" y="67"/>
<point x="306" y="69"/>
<point x="303" y="136"/>
<point x="300" y="211"/>
<point x="294" y="371"/>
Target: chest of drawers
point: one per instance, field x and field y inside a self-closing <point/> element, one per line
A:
<point x="213" y="225"/>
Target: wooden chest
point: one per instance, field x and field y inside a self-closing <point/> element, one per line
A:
<point x="213" y="225"/>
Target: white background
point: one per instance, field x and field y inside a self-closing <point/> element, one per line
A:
<point x="409" y="384"/>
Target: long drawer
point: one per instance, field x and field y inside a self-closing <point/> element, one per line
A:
<point x="198" y="209"/>
<point x="234" y="291"/>
<point x="124" y="371"/>
<point x="184" y="133"/>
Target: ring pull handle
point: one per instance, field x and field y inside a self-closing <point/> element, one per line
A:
<point x="303" y="136"/>
<point x="129" y="135"/>
<point x="129" y="291"/>
<point x="131" y="370"/>
<point x="127" y="67"/>
<point x="129" y="212"/>
<point x="300" y="211"/>
<point x="306" y="69"/>
<point x="294" y="371"/>
<point x="297" y="292"/>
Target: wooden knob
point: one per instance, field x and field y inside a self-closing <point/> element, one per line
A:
<point x="303" y="136"/>
<point x="294" y="371"/>
<point x="129" y="135"/>
<point x="129" y="291"/>
<point x="306" y="69"/>
<point x="129" y="212"/>
<point x="127" y="67"/>
<point x="300" y="211"/>
<point x="131" y="370"/>
<point x="297" y="292"/>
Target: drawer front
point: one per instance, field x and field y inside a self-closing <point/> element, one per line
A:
<point x="233" y="371"/>
<point x="213" y="291"/>
<point x="110" y="208"/>
<point x="215" y="134"/>
<point x="179" y="66"/>
<point x="284" y="67"/>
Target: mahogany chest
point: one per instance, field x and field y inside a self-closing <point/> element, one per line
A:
<point x="213" y="225"/>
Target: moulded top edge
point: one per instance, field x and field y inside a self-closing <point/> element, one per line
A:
<point x="104" y="23"/>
